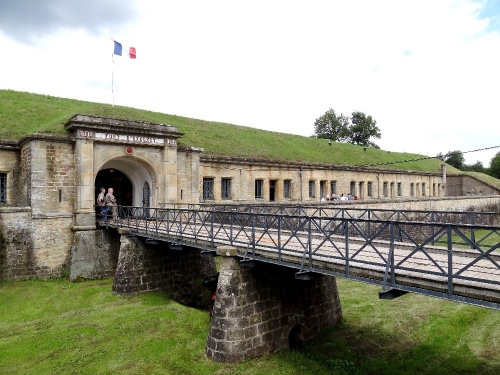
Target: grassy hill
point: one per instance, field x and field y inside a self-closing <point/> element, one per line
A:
<point x="22" y="113"/>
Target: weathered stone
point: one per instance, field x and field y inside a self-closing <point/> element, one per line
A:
<point x="253" y="328"/>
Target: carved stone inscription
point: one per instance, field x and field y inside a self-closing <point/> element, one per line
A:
<point x="126" y="138"/>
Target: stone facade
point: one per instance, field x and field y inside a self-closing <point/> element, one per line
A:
<point x="263" y="181"/>
<point x="54" y="181"/>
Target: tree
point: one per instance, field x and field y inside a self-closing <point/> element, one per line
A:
<point x="363" y="128"/>
<point x="495" y="166"/>
<point x="477" y="167"/>
<point x="331" y="127"/>
<point x="455" y="159"/>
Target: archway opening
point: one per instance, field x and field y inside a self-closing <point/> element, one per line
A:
<point x="296" y="338"/>
<point x="121" y="184"/>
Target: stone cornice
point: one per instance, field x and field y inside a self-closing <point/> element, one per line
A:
<point x="304" y="165"/>
<point x="123" y="126"/>
<point x="46" y="137"/>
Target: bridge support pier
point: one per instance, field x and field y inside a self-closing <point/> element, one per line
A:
<point x="262" y="309"/>
<point x="146" y="266"/>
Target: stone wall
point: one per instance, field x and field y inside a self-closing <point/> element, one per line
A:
<point x="463" y="185"/>
<point x="188" y="176"/>
<point x="182" y="274"/>
<point x="48" y="175"/>
<point x="263" y="309"/>
<point x="471" y="203"/>
<point x="94" y="254"/>
<point x="33" y="247"/>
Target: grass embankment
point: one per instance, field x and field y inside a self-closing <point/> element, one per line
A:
<point x="56" y="327"/>
<point x="22" y="113"/>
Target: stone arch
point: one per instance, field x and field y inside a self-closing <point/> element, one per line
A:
<point x="138" y="172"/>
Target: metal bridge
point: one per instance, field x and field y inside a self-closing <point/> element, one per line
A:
<point x="451" y="255"/>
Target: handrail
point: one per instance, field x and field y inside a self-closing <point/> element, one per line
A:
<point x="458" y="261"/>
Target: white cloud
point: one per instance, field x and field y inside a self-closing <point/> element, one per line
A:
<point x="425" y="70"/>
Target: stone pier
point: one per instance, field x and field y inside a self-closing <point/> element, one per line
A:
<point x="182" y="274"/>
<point x="264" y="308"/>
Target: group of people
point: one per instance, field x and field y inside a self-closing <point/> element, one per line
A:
<point x="342" y="197"/>
<point x="107" y="201"/>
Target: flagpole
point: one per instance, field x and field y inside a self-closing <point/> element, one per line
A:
<point x="112" y="73"/>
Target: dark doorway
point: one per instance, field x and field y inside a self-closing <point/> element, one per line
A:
<point x="119" y="182"/>
<point x="272" y="190"/>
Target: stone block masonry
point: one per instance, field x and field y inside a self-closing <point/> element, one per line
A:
<point x="263" y="309"/>
<point x="33" y="247"/>
<point x="94" y="254"/>
<point x="180" y="273"/>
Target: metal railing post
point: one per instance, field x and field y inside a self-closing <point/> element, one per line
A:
<point x="346" y="237"/>
<point x="450" y="262"/>
<point x="253" y="232"/>
<point x="279" y="238"/>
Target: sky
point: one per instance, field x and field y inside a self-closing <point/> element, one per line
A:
<point x="427" y="71"/>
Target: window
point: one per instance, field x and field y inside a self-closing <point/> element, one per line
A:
<point x="287" y="189"/>
<point x="434" y="189"/>
<point x="226" y="188"/>
<point x="423" y="189"/>
<point x="412" y="189"/>
<point x="3" y="187"/>
<point x="259" y="184"/>
<point x="369" y="188"/>
<point x="400" y="189"/>
<point x="208" y="188"/>
<point x="312" y="189"/>
<point x="333" y="187"/>
<point x="384" y="191"/>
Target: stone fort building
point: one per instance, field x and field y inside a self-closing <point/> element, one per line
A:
<point x="49" y="184"/>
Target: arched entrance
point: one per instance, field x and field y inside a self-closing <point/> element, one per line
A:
<point x="130" y="180"/>
<point x="121" y="184"/>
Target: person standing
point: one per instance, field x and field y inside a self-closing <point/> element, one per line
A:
<point x="101" y="201"/>
<point x="111" y="202"/>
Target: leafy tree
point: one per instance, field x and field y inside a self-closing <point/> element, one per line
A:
<point x="363" y="128"/>
<point x="495" y="166"/>
<point x="455" y="159"/>
<point x="477" y="167"/>
<point x="332" y="127"/>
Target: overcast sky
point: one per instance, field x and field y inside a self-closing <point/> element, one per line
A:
<point x="427" y="71"/>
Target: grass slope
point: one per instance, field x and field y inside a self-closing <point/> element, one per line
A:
<point x="57" y="327"/>
<point x="22" y="113"/>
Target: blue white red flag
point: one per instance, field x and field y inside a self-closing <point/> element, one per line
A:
<point x="117" y="50"/>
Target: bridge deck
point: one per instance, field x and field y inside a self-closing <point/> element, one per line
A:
<point x="454" y="261"/>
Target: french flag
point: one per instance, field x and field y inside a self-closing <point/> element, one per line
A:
<point x="117" y="50"/>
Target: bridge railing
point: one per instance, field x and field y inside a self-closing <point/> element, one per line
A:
<point x="333" y="210"/>
<point x="446" y="257"/>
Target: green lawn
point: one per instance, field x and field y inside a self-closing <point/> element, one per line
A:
<point x="485" y="238"/>
<point x="57" y="327"/>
